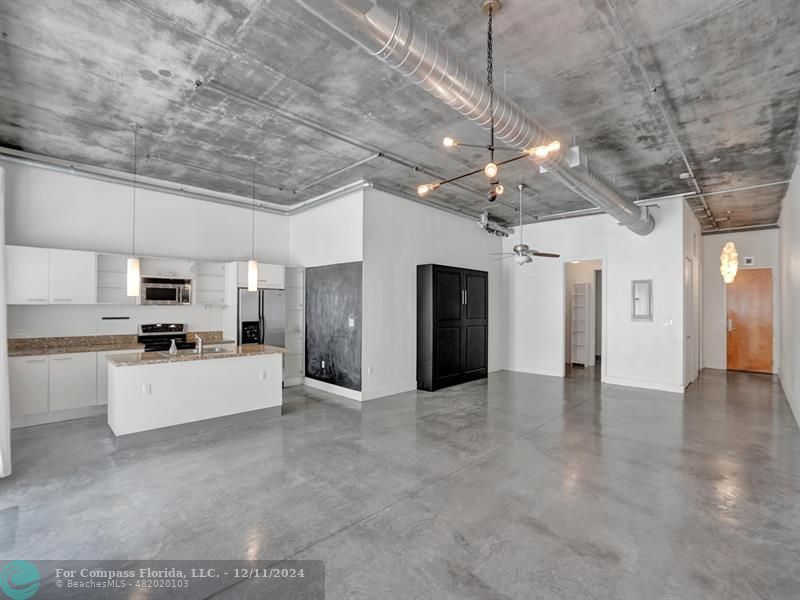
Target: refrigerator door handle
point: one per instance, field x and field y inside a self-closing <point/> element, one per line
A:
<point x="261" y="332"/>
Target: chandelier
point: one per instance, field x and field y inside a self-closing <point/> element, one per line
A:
<point x="492" y="168"/>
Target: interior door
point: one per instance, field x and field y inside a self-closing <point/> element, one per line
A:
<point x="749" y="300"/>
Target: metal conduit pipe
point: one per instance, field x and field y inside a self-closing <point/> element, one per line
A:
<point x="391" y="34"/>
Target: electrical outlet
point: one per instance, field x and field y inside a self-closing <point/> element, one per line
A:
<point x="147" y="389"/>
<point x="351" y="322"/>
<point x="262" y="374"/>
<point x="323" y="364"/>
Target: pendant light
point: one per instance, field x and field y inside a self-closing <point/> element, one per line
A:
<point x="133" y="279"/>
<point x="252" y="264"/>
<point x="492" y="168"/>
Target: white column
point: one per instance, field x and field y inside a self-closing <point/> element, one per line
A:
<point x="5" y="416"/>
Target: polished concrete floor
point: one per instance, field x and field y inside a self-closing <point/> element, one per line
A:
<point x="517" y="487"/>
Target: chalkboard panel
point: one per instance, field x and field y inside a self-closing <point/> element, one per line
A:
<point x="333" y="324"/>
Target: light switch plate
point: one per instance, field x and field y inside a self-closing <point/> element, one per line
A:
<point x="352" y="322"/>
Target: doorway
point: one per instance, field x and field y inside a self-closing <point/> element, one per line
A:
<point x="749" y="321"/>
<point x="583" y="323"/>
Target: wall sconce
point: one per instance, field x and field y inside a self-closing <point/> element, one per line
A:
<point x="729" y="262"/>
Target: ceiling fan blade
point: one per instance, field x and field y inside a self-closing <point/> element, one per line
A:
<point x="546" y="254"/>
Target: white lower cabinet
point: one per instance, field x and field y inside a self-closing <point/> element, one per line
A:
<point x="72" y="381"/>
<point x="102" y="374"/>
<point x="28" y="385"/>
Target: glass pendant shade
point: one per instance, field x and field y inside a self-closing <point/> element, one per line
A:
<point x="252" y="275"/>
<point x="133" y="279"/>
<point x="729" y="262"/>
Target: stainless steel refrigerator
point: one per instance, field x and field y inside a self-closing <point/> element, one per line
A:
<point x="262" y="317"/>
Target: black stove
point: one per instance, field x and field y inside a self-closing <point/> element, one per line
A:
<point x="157" y="337"/>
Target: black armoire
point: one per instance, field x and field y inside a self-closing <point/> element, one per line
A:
<point x="452" y="325"/>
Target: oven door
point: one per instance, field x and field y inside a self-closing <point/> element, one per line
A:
<point x="161" y="293"/>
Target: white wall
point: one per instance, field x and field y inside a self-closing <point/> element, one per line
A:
<point x="582" y="272"/>
<point x="764" y="247"/>
<point x="643" y="354"/>
<point x="693" y="295"/>
<point x="57" y="210"/>
<point x="328" y="234"/>
<point x="790" y="294"/>
<point x="398" y="236"/>
<point x="5" y="416"/>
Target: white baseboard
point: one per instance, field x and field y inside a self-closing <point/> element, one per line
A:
<point x="293" y="381"/>
<point x="536" y="371"/>
<point x="333" y="389"/>
<point x="60" y="415"/>
<point x="411" y="386"/>
<point x="644" y="384"/>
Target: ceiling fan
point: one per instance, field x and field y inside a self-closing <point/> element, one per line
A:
<point x="523" y="253"/>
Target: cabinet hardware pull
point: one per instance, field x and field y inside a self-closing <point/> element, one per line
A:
<point x="64" y="358"/>
<point x="37" y="299"/>
<point x="36" y="360"/>
<point x="62" y="299"/>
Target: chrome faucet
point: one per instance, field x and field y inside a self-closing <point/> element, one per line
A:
<point x="198" y="344"/>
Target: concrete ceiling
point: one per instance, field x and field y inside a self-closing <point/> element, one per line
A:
<point x="278" y="86"/>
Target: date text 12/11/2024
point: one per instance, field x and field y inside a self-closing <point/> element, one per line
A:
<point x="111" y="579"/>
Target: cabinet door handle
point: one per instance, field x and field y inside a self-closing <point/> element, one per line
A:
<point x="63" y="358"/>
<point x="37" y="299"/>
<point x="36" y="360"/>
<point x="62" y="299"/>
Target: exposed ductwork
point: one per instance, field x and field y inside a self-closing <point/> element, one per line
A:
<point x="391" y="34"/>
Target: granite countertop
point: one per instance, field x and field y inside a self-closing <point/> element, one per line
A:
<point x="157" y="358"/>
<point x="92" y="343"/>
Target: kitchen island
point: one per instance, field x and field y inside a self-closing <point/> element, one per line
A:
<point x="154" y="396"/>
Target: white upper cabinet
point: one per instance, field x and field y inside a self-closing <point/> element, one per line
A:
<point x="172" y="268"/>
<point x="73" y="277"/>
<point x="270" y="277"/>
<point x="26" y="275"/>
<point x="47" y="276"/>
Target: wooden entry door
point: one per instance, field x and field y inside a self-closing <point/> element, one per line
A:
<point x="750" y="321"/>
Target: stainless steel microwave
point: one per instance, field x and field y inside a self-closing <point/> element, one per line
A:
<point x="158" y="290"/>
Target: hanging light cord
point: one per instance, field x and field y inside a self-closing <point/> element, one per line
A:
<point x="133" y="217"/>
<point x="253" y="236"/>
<point x="490" y="81"/>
